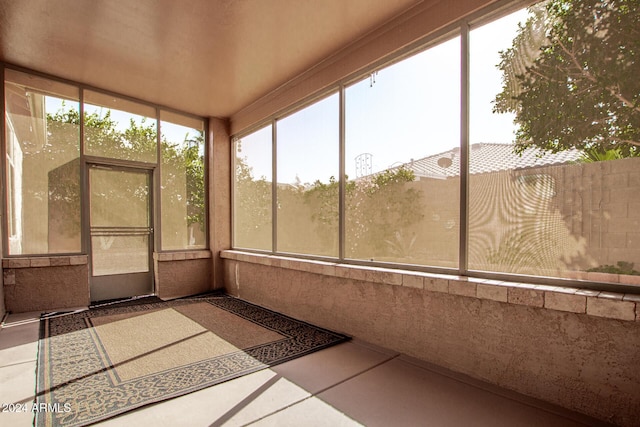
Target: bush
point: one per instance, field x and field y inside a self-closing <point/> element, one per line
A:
<point x="622" y="267"/>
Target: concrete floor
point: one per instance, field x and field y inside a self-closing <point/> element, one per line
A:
<point x="350" y="384"/>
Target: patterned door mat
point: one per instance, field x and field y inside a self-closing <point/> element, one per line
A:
<point x="98" y="363"/>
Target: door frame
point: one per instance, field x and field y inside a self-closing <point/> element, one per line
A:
<point x="128" y="280"/>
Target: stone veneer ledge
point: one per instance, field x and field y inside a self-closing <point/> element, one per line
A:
<point x="181" y="255"/>
<point x="45" y="261"/>
<point x="583" y="301"/>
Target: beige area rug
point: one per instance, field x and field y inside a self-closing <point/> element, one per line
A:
<point x="98" y="363"/>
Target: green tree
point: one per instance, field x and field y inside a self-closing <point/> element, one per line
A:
<point x="252" y="205"/>
<point x="571" y="77"/>
<point x="185" y="161"/>
<point x="193" y="159"/>
<point x="380" y="210"/>
<point x="102" y="135"/>
<point x="137" y="142"/>
<point x="62" y="187"/>
<point x="388" y="210"/>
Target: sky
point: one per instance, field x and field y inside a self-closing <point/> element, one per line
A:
<point x="410" y="111"/>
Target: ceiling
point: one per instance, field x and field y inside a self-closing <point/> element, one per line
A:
<point x="205" y="57"/>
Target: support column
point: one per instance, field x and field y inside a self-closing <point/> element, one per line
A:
<point x="219" y="188"/>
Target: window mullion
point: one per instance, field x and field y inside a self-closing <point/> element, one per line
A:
<point x="342" y="179"/>
<point x="274" y="187"/>
<point x="464" y="149"/>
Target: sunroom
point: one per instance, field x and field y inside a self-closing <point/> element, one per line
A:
<point x="453" y="181"/>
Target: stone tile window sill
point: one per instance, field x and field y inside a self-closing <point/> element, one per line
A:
<point x="57" y="261"/>
<point x="585" y="301"/>
<point x="181" y="255"/>
<point x="45" y="261"/>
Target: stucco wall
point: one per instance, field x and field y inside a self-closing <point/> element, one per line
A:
<point x="2" y="305"/>
<point x="45" y="283"/>
<point x="182" y="273"/>
<point x="578" y="360"/>
<point x="219" y="190"/>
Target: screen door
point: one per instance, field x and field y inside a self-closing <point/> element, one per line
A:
<point x="121" y="232"/>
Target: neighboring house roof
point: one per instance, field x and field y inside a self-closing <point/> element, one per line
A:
<point x="487" y="157"/>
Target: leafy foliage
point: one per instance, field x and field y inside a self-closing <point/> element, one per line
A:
<point x="194" y="170"/>
<point x="252" y="200"/>
<point x="379" y="208"/>
<point x="571" y="77"/>
<point x="593" y="154"/>
<point x="380" y="211"/>
<point x="621" y="267"/>
<point x="101" y="133"/>
<point x="323" y="199"/>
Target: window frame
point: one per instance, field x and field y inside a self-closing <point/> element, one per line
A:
<point x="85" y="159"/>
<point x="158" y="179"/>
<point x="462" y="28"/>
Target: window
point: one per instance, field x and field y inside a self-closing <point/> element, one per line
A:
<point x="402" y="161"/>
<point x="183" y="182"/>
<point x="252" y="191"/>
<point x="119" y="129"/>
<point x="43" y="165"/>
<point x="307" y="184"/>
<point x="551" y="183"/>
<point x="553" y="162"/>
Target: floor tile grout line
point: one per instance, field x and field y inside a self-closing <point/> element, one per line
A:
<point x="453" y="377"/>
<point x="507" y="394"/>
<point x="311" y="395"/>
<point x="389" y="359"/>
<point x="19" y="363"/>
<point x="243" y="403"/>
